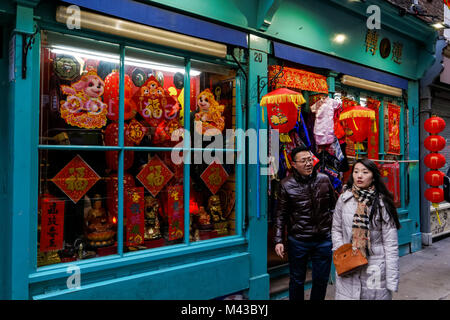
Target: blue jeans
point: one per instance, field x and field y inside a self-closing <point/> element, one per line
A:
<point x="299" y="252"/>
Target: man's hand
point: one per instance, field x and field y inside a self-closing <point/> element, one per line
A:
<point x="279" y="250"/>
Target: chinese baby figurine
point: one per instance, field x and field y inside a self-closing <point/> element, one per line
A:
<point x="208" y="120"/>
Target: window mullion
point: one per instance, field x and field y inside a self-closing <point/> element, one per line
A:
<point x="120" y="173"/>
<point x="187" y="146"/>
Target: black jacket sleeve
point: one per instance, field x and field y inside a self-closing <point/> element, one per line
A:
<point x="281" y="216"/>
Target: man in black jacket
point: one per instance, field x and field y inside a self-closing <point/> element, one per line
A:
<point x="306" y="205"/>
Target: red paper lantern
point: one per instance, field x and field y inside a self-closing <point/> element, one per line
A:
<point x="434" y="195"/>
<point x="434" y="125"/>
<point x="434" y="178"/>
<point x="434" y="160"/>
<point x="111" y="96"/>
<point x="357" y="121"/>
<point x="434" y="143"/>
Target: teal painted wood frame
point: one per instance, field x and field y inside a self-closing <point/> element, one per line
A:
<point x="257" y="201"/>
<point x="32" y="282"/>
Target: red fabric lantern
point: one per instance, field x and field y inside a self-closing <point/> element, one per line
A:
<point x="434" y="195"/>
<point x="111" y="97"/>
<point x="434" y="143"/>
<point x="282" y="110"/>
<point x="434" y="160"/>
<point x="434" y="178"/>
<point x="358" y="121"/>
<point x="434" y="125"/>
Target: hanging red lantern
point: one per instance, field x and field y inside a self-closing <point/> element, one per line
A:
<point x="283" y="106"/>
<point x="434" y="160"/>
<point x="111" y="96"/>
<point x="434" y="125"/>
<point x="358" y="122"/>
<point x="434" y="178"/>
<point x="434" y="195"/>
<point x="434" y="143"/>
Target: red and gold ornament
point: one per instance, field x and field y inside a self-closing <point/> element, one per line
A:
<point x="111" y="96"/>
<point x="434" y="160"/>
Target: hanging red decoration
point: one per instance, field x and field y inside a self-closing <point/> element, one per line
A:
<point x="111" y="96"/>
<point x="112" y="139"/>
<point x="283" y="106"/>
<point x="434" y="125"/>
<point x="358" y="122"/>
<point x="434" y="160"/>
<point x="434" y="143"/>
<point x="434" y="195"/>
<point x="434" y="178"/>
<point x="52" y="223"/>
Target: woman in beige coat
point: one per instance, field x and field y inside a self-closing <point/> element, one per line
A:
<point x="365" y="216"/>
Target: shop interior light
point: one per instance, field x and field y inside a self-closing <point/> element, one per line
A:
<point x="371" y="85"/>
<point x="136" y="31"/>
<point x="115" y="59"/>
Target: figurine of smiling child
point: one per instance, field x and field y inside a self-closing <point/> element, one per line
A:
<point x="209" y="120"/>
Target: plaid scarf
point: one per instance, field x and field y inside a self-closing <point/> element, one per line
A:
<point x="360" y="227"/>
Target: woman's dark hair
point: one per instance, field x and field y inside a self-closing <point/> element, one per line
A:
<point x="380" y="188"/>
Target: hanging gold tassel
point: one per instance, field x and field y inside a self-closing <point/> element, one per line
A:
<point x="436" y="206"/>
<point x="288" y="165"/>
<point x="354" y="123"/>
<point x="262" y="114"/>
<point x="284" y="138"/>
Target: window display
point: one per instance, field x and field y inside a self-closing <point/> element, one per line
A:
<point x="80" y="155"/>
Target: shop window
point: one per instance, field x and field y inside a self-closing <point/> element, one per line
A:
<point x="81" y="158"/>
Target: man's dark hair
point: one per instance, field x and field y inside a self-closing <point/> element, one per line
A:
<point x="297" y="150"/>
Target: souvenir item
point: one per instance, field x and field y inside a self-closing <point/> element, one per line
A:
<point x="208" y="119"/>
<point x="178" y="80"/>
<point x="324" y="125"/>
<point x="299" y="79"/>
<point x="372" y="140"/>
<point x="112" y="188"/>
<point x="434" y="161"/>
<point x="154" y="103"/>
<point x="204" y="219"/>
<point x="139" y="77"/>
<point x="155" y="175"/>
<point x="175" y="212"/>
<point x="214" y="176"/>
<point x="83" y="106"/>
<point x="215" y="210"/>
<point x="394" y="129"/>
<point x="135" y="131"/>
<point x="99" y="230"/>
<point x="76" y="178"/>
<point x="111" y="96"/>
<point x="152" y="207"/>
<point x="66" y="67"/>
<point x="112" y="139"/>
<point x="134" y="212"/>
<point x="357" y="122"/>
<point x="283" y="106"/>
<point x="52" y="223"/>
<point x="160" y="78"/>
<point x="390" y="174"/>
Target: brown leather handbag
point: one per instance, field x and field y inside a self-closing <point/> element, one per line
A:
<point x="347" y="261"/>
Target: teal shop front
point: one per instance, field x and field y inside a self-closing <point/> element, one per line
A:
<point x="101" y="203"/>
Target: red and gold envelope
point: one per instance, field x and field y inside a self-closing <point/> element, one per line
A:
<point x="155" y="175"/>
<point x="76" y="178"/>
<point x="214" y="176"/>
